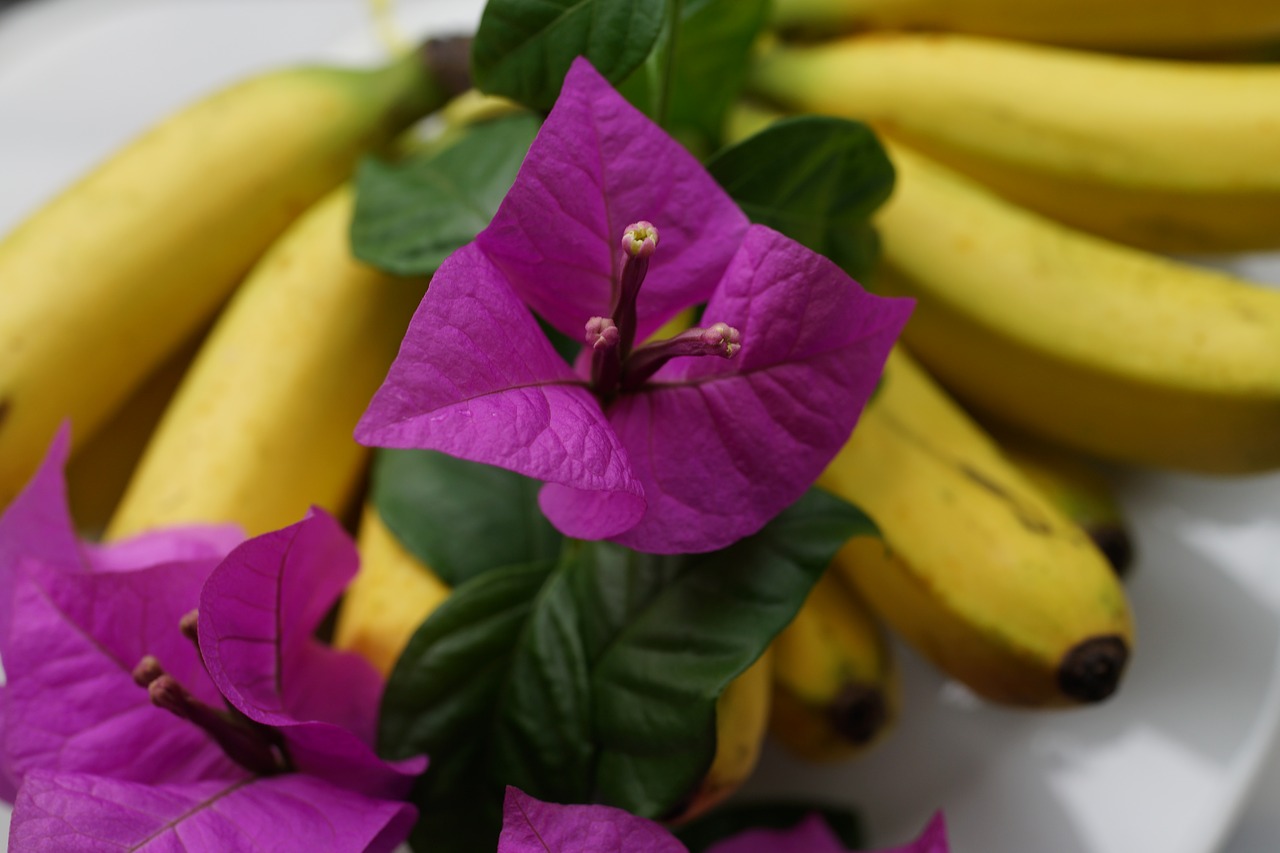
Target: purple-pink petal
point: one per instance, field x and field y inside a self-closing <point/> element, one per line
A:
<point x="532" y="826"/>
<point x="721" y="446"/>
<point x="73" y="626"/>
<point x="66" y="813"/>
<point x="258" y="612"/>
<point x="597" y="166"/>
<point x="476" y="378"/>
<point x="71" y="702"/>
<point x="204" y="542"/>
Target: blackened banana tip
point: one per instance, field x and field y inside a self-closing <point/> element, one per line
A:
<point x="1115" y="544"/>
<point x="1091" y="671"/>
<point x="859" y="713"/>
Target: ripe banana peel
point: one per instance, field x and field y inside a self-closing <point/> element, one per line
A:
<point x="1078" y="487"/>
<point x="1167" y="155"/>
<point x="742" y="721"/>
<point x="1112" y="351"/>
<point x="977" y="570"/>
<point x="1137" y="25"/>
<point x="261" y="427"/>
<point x="110" y="277"/>
<point x="391" y="596"/>
<point x="835" y="688"/>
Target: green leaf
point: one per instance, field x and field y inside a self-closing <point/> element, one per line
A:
<point x="523" y="48"/>
<point x="460" y="518"/>
<point x="739" y="817"/>
<point x="445" y="689"/>
<point x="412" y="214"/>
<point x="605" y="690"/>
<point x="712" y="47"/>
<point x="815" y="179"/>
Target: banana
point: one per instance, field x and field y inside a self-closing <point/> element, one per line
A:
<point x="261" y="427"/>
<point x="1112" y="351"/>
<point x="977" y="570"/>
<point x="1144" y="25"/>
<point x="109" y="278"/>
<point x="835" y="689"/>
<point x="742" y="721"/>
<point x="1079" y="489"/>
<point x="391" y="596"/>
<point x="1172" y="156"/>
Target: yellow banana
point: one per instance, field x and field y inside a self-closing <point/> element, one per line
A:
<point x="1079" y="489"/>
<point x="1112" y="351"/>
<point x="1174" y="156"/>
<point x="742" y="721"/>
<point x="977" y="570"/>
<point x="99" y="286"/>
<point x="261" y="427"/>
<point x="390" y="597"/>
<point x="1150" y="25"/>
<point x="835" y="689"/>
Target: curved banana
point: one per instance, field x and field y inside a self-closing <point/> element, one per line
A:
<point x="977" y="570"/>
<point x="100" y="285"/>
<point x="1174" y="156"/>
<point x="742" y="721"/>
<point x="1079" y="489"/>
<point x="392" y="594"/>
<point x="835" y="688"/>
<point x="1150" y="25"/>
<point x="1112" y="351"/>
<point x="261" y="427"/>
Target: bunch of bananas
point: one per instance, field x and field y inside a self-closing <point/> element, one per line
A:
<point x="1045" y="151"/>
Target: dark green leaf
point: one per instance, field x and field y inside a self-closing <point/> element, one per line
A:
<point x="412" y="214"/>
<point x="523" y="48"/>
<point x="705" y="621"/>
<point x="445" y="690"/>
<point x="815" y="179"/>
<point x="739" y="817"/>
<point x="460" y="518"/>
<point x="605" y="690"/>
<point x="711" y="51"/>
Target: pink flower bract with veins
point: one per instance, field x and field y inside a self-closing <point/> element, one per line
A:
<point x="696" y="455"/>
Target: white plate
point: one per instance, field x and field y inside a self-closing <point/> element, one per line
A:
<point x="1166" y="765"/>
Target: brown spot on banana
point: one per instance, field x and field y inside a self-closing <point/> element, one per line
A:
<point x="1026" y="516"/>
<point x="1090" y="671"/>
<point x="5" y="406"/>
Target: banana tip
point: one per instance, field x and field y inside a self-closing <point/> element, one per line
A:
<point x="1091" y="671"/>
<point x="1115" y="544"/>
<point x="859" y="713"/>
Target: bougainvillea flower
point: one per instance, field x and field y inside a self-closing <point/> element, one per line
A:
<point x="129" y="721"/>
<point x="532" y="826"/>
<point x="610" y="230"/>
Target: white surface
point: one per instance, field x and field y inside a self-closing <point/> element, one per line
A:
<point x="1165" y="766"/>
